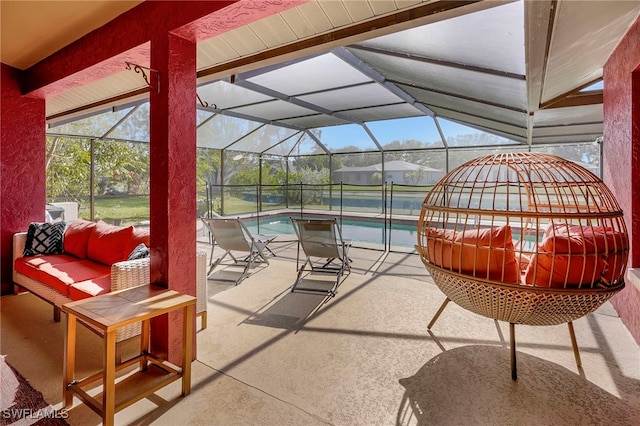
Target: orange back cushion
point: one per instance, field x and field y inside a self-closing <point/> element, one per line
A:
<point x="554" y="270"/>
<point x="76" y="237"/>
<point x="109" y="244"/>
<point x="600" y="250"/>
<point x="485" y="253"/>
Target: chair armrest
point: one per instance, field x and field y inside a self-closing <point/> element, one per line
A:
<point x="19" y="240"/>
<point x="130" y="273"/>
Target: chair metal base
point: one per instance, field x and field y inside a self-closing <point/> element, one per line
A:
<point x="512" y="340"/>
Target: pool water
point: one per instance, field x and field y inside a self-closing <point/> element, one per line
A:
<point x="359" y="231"/>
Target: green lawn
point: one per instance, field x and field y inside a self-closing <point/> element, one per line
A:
<point x="126" y="210"/>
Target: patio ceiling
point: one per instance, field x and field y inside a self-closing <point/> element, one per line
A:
<point x="513" y="69"/>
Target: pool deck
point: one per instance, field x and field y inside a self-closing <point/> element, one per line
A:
<point x="364" y="357"/>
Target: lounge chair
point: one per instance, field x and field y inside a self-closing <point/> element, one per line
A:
<point x="325" y="250"/>
<point x="232" y="235"/>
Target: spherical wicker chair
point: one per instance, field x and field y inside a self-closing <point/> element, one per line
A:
<point x="524" y="238"/>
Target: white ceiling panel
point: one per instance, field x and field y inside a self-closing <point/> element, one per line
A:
<point x="244" y="41"/>
<point x="354" y="97"/>
<point x="359" y="10"/>
<point x="214" y="51"/>
<point x="274" y="110"/>
<point x="320" y="73"/>
<point x="273" y="31"/>
<point x="336" y="12"/>
<point x="314" y="121"/>
<point x="226" y="95"/>
<point x="387" y="112"/>
<point x="584" y="36"/>
<point x="492" y="39"/>
<point x="123" y="82"/>
<point x="479" y="68"/>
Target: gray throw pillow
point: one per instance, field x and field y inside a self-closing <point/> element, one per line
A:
<point x="140" y="252"/>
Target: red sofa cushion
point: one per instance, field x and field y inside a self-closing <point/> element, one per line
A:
<point x="59" y="271"/>
<point x="34" y="262"/>
<point x="30" y="266"/>
<point x="76" y="237"/>
<point x="61" y="276"/>
<point x="90" y="288"/>
<point x="485" y="253"/>
<point x="138" y="236"/>
<point x="109" y="244"/>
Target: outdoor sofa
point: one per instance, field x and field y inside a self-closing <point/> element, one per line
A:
<point x="61" y="262"/>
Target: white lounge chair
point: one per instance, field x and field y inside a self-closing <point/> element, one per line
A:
<point x="325" y="250"/>
<point x="232" y="235"/>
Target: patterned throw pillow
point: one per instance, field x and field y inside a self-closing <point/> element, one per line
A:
<point x="44" y="238"/>
<point x="140" y="252"/>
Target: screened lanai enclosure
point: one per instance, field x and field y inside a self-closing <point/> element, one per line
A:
<point x="362" y="130"/>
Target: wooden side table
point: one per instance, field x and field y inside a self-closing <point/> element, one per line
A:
<point x="109" y="312"/>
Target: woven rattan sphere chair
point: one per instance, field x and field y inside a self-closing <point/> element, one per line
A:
<point x="524" y="238"/>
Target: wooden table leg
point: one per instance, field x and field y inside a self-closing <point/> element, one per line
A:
<point x="109" y="379"/>
<point x="187" y="342"/>
<point x="144" y="343"/>
<point x="69" y="359"/>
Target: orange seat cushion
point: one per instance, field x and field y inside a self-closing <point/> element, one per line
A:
<point x="76" y="237"/>
<point x="486" y="253"/>
<point x="109" y="244"/>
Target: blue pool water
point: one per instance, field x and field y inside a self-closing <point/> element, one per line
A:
<point x="359" y="231"/>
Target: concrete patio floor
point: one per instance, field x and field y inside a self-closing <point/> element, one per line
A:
<point x="363" y="357"/>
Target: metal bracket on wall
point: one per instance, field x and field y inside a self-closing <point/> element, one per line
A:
<point x="141" y="70"/>
<point x="205" y="104"/>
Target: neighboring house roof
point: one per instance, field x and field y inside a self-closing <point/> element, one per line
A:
<point x="389" y="166"/>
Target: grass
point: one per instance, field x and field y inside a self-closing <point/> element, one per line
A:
<point x="126" y="210"/>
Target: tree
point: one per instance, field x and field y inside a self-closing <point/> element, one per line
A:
<point x="376" y="178"/>
<point x="119" y="167"/>
<point x="68" y="169"/>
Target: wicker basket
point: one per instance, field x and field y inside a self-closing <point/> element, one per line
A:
<point x="524" y="238"/>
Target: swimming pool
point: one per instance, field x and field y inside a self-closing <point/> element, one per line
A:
<point x="359" y="231"/>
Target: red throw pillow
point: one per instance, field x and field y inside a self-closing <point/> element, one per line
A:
<point x="109" y="244"/>
<point x="76" y="237"/>
<point x="483" y="253"/>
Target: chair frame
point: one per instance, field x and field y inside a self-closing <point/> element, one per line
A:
<point x="243" y="241"/>
<point x="334" y="254"/>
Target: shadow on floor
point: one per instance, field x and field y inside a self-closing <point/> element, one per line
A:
<point x="477" y="381"/>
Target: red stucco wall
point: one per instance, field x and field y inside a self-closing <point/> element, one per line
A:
<point x="621" y="160"/>
<point x="22" y="165"/>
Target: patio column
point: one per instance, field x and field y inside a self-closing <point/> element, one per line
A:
<point x="22" y="166"/>
<point x="173" y="179"/>
<point x="621" y="159"/>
